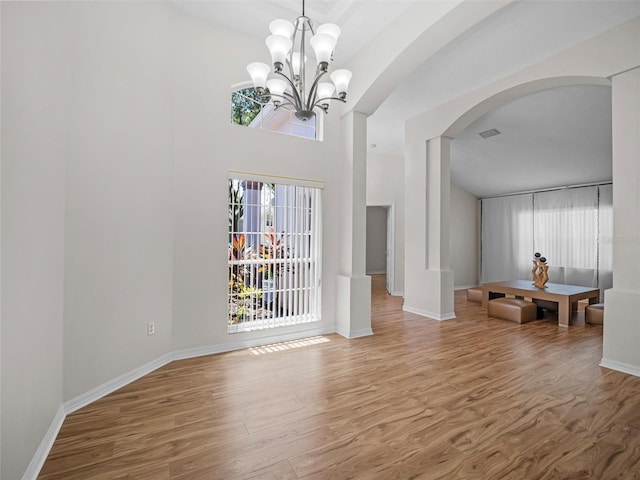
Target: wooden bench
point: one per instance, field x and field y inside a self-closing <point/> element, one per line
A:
<point x="474" y="294"/>
<point x="512" y="309"/>
<point x="594" y="314"/>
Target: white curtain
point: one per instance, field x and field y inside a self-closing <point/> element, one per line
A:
<point x="507" y="238"/>
<point x="572" y="228"/>
<point x="565" y="226"/>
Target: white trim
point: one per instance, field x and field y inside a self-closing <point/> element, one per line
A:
<point x="356" y="333"/>
<point x="465" y="287"/>
<point x="391" y="243"/>
<point x="376" y="273"/>
<point x="114" y="384"/>
<point x="424" y="313"/>
<point x="280" y="180"/>
<point x="38" y="459"/>
<point x="70" y="406"/>
<point x="620" y="367"/>
<point x="254" y="342"/>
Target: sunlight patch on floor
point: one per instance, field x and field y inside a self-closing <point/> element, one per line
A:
<point x="290" y="345"/>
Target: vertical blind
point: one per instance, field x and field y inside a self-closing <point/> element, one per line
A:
<point x="274" y="254"/>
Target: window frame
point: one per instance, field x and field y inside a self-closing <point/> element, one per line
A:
<point x="277" y="239"/>
<point x="258" y="121"/>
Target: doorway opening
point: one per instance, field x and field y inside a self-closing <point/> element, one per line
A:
<point x="381" y="243"/>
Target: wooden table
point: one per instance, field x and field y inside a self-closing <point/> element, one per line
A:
<point x="566" y="296"/>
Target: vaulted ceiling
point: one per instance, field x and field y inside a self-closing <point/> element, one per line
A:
<point x="556" y="137"/>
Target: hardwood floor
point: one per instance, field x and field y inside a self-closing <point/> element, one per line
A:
<point x="470" y="398"/>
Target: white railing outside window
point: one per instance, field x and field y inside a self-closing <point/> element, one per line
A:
<point x="251" y="110"/>
<point x="274" y="253"/>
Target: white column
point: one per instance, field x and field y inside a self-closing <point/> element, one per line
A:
<point x="354" y="286"/>
<point x="621" y="343"/>
<point x="428" y="277"/>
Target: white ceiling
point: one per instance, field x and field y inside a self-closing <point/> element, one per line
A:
<point x="359" y="20"/>
<point x="553" y="138"/>
<point x="560" y="136"/>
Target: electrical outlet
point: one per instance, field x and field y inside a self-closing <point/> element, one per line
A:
<point x="151" y="328"/>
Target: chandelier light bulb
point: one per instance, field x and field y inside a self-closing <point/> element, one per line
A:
<point x="295" y="62"/>
<point x="279" y="47"/>
<point x="259" y="72"/>
<point x="323" y="45"/>
<point x="341" y="79"/>
<point x="329" y="29"/>
<point x="325" y="92"/>
<point x="282" y="27"/>
<point x="276" y="89"/>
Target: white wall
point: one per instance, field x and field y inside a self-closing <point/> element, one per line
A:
<point x="465" y="242"/>
<point x="621" y="322"/>
<point x="118" y="261"/>
<point x="376" y="240"/>
<point x="206" y="146"/>
<point x="385" y="186"/>
<point x="36" y="66"/>
<point x="116" y="143"/>
<point x="592" y="62"/>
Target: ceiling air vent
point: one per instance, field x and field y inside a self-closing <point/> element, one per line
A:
<point x="489" y="133"/>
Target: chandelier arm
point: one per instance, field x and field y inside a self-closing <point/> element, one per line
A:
<point x="285" y="96"/>
<point x="289" y="97"/>
<point x="313" y="91"/>
<point x="296" y="95"/>
<point x="291" y="52"/>
<point x="317" y="104"/>
<point x="302" y="56"/>
<point x="290" y="65"/>
<point x="284" y="106"/>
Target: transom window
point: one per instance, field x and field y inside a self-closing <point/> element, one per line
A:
<point x="274" y="253"/>
<point x="252" y="110"/>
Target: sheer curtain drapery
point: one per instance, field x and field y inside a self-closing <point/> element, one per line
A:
<point x="571" y="227"/>
<point x="565" y="226"/>
<point x="507" y="237"/>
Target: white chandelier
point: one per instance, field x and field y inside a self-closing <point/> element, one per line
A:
<point x="287" y="47"/>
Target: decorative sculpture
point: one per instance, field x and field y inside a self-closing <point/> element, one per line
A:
<point x="540" y="271"/>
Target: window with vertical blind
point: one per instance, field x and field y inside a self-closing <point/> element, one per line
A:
<point x="274" y="253"/>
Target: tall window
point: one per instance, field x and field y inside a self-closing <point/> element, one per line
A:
<point x="252" y="110"/>
<point x="274" y="253"/>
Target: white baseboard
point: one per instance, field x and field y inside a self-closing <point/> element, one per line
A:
<point x="376" y="273"/>
<point x="254" y="342"/>
<point x="40" y="456"/>
<point x="620" y="367"/>
<point x="106" y="388"/>
<point x="424" y="313"/>
<point x="114" y="384"/>
<point x="465" y="287"/>
<point x="356" y="334"/>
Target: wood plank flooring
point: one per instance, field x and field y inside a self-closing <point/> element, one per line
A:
<point x="470" y="398"/>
